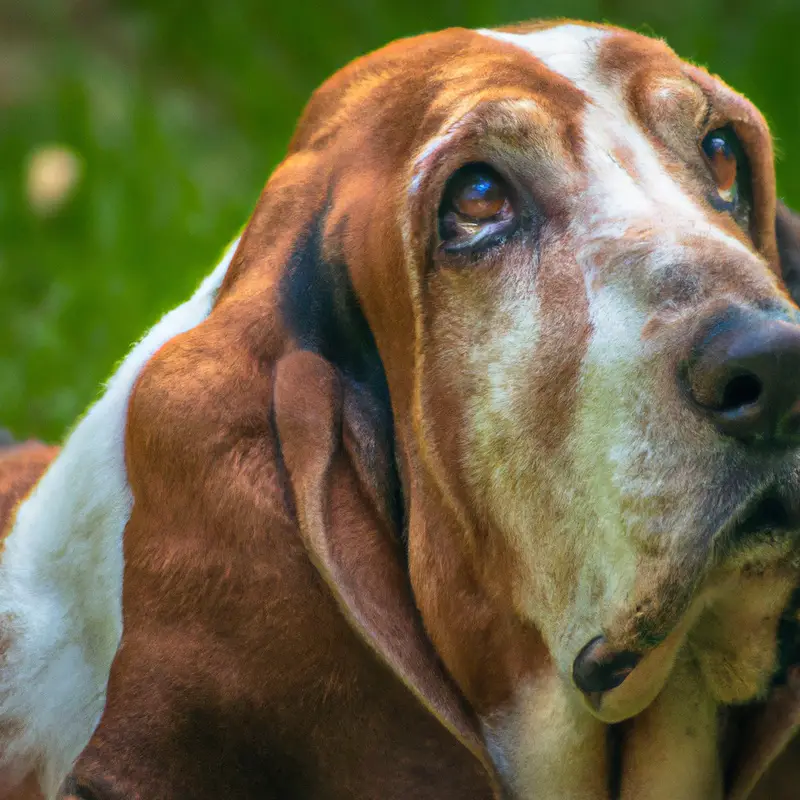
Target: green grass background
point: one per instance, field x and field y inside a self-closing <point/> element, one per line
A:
<point x="178" y="112"/>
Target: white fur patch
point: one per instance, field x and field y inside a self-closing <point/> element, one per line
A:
<point x="662" y="223"/>
<point x="571" y="51"/>
<point x="604" y="434"/>
<point x="545" y="746"/>
<point x="631" y="223"/>
<point x="61" y="575"/>
<point x="568" y="50"/>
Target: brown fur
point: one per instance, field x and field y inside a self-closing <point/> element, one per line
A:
<point x="21" y="466"/>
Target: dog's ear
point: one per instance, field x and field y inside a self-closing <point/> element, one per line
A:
<point x="787" y="234"/>
<point x="334" y="422"/>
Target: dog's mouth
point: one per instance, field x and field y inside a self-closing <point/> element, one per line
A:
<point x="773" y="511"/>
<point x="764" y="527"/>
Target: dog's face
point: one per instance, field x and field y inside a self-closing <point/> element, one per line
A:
<point x="546" y="228"/>
<point x="542" y="263"/>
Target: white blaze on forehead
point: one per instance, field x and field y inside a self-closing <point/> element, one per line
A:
<point x="61" y="574"/>
<point x="568" y="50"/>
<point x="614" y="194"/>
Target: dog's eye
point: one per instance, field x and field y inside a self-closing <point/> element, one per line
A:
<point x="477" y="209"/>
<point x="478" y="195"/>
<point x="723" y="153"/>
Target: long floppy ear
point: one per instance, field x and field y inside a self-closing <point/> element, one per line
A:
<point x="334" y="422"/>
<point x="787" y="233"/>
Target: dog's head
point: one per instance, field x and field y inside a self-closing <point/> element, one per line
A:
<point x="530" y="279"/>
<point x="562" y="243"/>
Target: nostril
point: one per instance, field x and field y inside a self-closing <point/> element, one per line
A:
<point x="743" y="374"/>
<point x="740" y="391"/>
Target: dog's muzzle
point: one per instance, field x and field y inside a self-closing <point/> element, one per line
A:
<point x="742" y="374"/>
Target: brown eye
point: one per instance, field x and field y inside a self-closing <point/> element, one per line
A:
<point x="721" y="148"/>
<point x="476" y="210"/>
<point x="478" y="195"/>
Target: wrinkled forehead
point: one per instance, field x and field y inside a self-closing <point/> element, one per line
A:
<point x="627" y="82"/>
<point x="599" y="121"/>
<point x="641" y="111"/>
<point x="594" y="58"/>
<point x="590" y="100"/>
<point x="606" y="122"/>
<point x="405" y="93"/>
<point x="570" y="69"/>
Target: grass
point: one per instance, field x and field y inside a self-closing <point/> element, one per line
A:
<point x="176" y="115"/>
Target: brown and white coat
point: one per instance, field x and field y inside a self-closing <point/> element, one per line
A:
<point x="341" y="525"/>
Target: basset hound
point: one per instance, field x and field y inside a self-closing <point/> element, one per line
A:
<point x="471" y="471"/>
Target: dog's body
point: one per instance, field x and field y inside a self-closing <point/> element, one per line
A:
<point x="429" y="484"/>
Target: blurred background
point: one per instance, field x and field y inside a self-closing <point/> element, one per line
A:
<point x="136" y="136"/>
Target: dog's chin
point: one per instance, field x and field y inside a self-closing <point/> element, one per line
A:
<point x="643" y="683"/>
<point x="761" y="537"/>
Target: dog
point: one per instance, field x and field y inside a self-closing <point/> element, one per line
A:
<point x="471" y="471"/>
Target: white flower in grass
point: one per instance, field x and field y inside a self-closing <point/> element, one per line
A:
<point x="53" y="174"/>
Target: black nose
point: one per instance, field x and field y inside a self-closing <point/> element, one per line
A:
<point x="598" y="668"/>
<point x="744" y="374"/>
